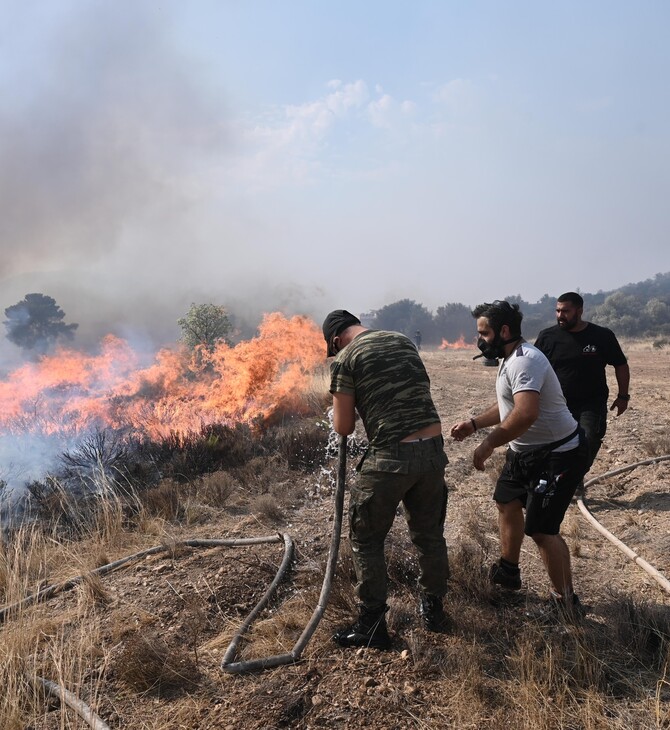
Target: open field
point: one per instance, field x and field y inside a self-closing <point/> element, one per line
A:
<point x="143" y="645"/>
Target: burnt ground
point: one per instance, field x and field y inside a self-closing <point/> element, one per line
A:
<point x="158" y="630"/>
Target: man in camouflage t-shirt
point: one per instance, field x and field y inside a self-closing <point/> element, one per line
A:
<point x="382" y="377"/>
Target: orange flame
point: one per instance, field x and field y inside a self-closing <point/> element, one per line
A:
<point x="459" y="344"/>
<point x="180" y="392"/>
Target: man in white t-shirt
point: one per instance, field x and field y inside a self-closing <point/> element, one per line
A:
<point x="547" y="454"/>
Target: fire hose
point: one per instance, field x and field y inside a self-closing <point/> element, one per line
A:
<point x="227" y="664"/>
<point x="72" y="701"/>
<point x="653" y="572"/>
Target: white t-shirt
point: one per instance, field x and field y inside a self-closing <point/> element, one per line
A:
<point x="528" y="369"/>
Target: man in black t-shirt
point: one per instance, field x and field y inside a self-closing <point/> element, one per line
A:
<point x="579" y="352"/>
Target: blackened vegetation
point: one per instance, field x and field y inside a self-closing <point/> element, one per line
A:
<point x="102" y="452"/>
<point x="184" y="457"/>
<point x="152" y="476"/>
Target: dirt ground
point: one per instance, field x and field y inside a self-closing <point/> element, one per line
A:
<point x="186" y="606"/>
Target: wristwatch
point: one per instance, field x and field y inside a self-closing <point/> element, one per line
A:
<point x="623" y="397"/>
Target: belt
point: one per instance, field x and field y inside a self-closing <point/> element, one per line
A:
<point x="419" y="446"/>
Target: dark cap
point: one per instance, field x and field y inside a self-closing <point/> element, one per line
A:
<point x="337" y="321"/>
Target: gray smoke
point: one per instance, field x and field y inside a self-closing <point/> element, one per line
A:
<point x="113" y="146"/>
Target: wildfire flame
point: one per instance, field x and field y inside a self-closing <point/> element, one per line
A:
<point x="179" y="392"/>
<point x="459" y="344"/>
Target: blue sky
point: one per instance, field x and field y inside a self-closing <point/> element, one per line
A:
<point x="312" y="155"/>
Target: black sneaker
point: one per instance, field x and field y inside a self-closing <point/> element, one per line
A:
<point x="432" y="614"/>
<point x="505" y="578"/>
<point x="369" y="631"/>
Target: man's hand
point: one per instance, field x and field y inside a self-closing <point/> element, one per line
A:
<point x="620" y="404"/>
<point x="482" y="453"/>
<point x="460" y="431"/>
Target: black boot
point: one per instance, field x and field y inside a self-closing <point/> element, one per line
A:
<point x="432" y="614"/>
<point x="370" y="630"/>
<point x="505" y="576"/>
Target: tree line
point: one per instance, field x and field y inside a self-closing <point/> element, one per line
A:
<point x="634" y="310"/>
<point x="36" y="323"/>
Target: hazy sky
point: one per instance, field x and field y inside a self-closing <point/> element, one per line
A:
<point x="312" y="155"/>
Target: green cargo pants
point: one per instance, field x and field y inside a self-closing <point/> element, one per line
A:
<point x="411" y="473"/>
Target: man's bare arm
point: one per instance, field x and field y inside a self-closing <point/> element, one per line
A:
<point x="344" y="413"/>
<point x="489" y="417"/>
<point x="622" y="373"/>
<point x="519" y="420"/>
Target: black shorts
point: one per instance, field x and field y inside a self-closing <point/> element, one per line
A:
<point x="563" y="470"/>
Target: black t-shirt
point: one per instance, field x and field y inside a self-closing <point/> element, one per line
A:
<point x="579" y="359"/>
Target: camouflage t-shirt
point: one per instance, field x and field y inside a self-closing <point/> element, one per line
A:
<point x="390" y="385"/>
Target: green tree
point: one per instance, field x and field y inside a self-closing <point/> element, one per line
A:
<point x="36" y="324"/>
<point x="621" y="313"/>
<point x="453" y="320"/>
<point x="658" y="312"/>
<point x="204" y="324"/>
<point x="406" y="316"/>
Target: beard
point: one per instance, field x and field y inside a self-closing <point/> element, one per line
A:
<point x="567" y="324"/>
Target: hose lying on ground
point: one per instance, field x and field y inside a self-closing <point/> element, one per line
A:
<point x="53" y="590"/>
<point x="228" y="665"/>
<point x="655" y="574"/>
<point x="72" y="701"/>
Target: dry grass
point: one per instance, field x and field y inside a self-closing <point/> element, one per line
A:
<point x="302" y="444"/>
<point x="493" y="671"/>
<point x="64" y="649"/>
<point x="146" y="644"/>
<point x="573" y="530"/>
<point x="164" y="501"/>
<point x="658" y="445"/>
<point x="22" y="562"/>
<point x="317" y="395"/>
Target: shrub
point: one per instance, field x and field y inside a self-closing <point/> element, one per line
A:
<point x="214" y="447"/>
<point x="302" y="443"/>
<point x="148" y="664"/>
